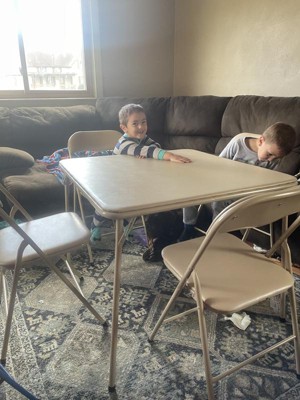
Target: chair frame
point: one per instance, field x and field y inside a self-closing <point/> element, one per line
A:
<point x="98" y="140"/>
<point x="281" y="204"/>
<point x="19" y="264"/>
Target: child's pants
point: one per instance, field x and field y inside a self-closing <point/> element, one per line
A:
<point x="190" y="215"/>
<point x="97" y="218"/>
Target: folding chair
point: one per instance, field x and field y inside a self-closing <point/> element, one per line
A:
<point x="90" y="141"/>
<point x="227" y="275"/>
<point x="98" y="141"/>
<point x="45" y="239"/>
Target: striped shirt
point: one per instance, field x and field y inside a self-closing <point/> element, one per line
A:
<point x="135" y="147"/>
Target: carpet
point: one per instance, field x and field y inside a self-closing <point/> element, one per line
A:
<point x="59" y="351"/>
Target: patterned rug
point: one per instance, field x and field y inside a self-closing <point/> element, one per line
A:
<point x="59" y="351"/>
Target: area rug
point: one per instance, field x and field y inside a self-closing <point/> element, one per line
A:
<point x="59" y="351"/>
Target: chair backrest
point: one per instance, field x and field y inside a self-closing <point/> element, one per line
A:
<point x="252" y="211"/>
<point x="258" y="210"/>
<point x="93" y="140"/>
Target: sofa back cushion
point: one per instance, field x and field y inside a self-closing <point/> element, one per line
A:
<point x="5" y="127"/>
<point x="194" y="122"/>
<point x="107" y="109"/>
<point x="254" y="114"/>
<point x="42" y="130"/>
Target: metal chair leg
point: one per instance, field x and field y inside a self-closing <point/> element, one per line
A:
<point x="11" y="305"/>
<point x="145" y="229"/>
<point x="4" y="291"/>
<point x="83" y="219"/>
<point x="73" y="272"/>
<point x="77" y="293"/>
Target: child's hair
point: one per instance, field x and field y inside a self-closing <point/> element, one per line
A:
<point x="281" y="134"/>
<point x="127" y="110"/>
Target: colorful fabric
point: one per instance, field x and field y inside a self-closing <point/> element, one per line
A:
<point x="52" y="162"/>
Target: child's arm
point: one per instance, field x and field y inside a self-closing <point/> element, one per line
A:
<point x="230" y="150"/>
<point x="168" y="156"/>
<point x="130" y="147"/>
<point x="149" y="149"/>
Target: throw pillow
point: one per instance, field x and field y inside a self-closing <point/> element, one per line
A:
<point x="15" y="158"/>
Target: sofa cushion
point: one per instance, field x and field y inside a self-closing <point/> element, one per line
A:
<point x="14" y="158"/>
<point x="194" y="122"/>
<point x="39" y="192"/>
<point x="108" y="108"/>
<point x="5" y="127"/>
<point x="42" y="130"/>
<point x="254" y="114"/>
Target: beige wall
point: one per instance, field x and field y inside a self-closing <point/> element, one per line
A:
<point x="230" y="47"/>
<point x="137" y="44"/>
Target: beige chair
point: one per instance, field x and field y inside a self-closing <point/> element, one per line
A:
<point x="90" y="141"/>
<point x="226" y="275"/>
<point x="98" y="141"/>
<point x="47" y="239"/>
<point x="93" y="140"/>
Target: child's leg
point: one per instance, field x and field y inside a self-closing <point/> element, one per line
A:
<point x="95" y="227"/>
<point x="218" y="206"/>
<point x="190" y="215"/>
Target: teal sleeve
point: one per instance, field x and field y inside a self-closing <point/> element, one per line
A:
<point x="161" y="154"/>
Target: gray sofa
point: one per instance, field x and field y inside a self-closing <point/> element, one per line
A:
<point x="205" y="123"/>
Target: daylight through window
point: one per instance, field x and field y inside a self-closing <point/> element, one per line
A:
<point x="43" y="46"/>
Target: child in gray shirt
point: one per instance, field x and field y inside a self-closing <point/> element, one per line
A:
<point x="261" y="150"/>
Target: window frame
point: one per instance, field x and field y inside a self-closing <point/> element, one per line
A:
<point x="89" y="92"/>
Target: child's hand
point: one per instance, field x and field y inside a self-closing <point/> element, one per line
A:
<point x="178" y="158"/>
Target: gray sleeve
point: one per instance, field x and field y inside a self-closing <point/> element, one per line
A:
<point x="230" y="150"/>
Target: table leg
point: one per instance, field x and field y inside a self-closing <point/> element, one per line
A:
<point x="119" y="239"/>
<point x="67" y="191"/>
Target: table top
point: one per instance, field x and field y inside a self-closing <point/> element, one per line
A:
<point x="124" y="186"/>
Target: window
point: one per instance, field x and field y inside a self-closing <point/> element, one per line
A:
<point x="45" y="48"/>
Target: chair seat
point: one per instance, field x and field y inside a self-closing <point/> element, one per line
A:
<point x="240" y="275"/>
<point x="55" y="234"/>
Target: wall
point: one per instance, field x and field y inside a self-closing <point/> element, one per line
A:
<point x="137" y="44"/>
<point x="231" y="47"/>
